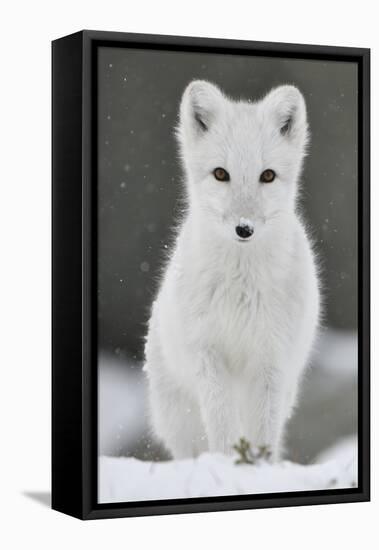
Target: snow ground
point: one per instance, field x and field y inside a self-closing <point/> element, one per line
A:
<point x="129" y="479"/>
<point x="122" y="415"/>
<point x="321" y="444"/>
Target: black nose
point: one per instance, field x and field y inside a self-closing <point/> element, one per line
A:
<point x="244" y="231"/>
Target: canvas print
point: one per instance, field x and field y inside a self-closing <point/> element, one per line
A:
<point x="227" y="274"/>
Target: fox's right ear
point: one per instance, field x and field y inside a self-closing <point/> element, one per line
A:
<point x="199" y="108"/>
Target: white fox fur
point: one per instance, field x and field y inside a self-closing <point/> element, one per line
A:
<point x="233" y="324"/>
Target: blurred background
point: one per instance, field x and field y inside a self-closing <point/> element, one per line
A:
<point x="139" y="184"/>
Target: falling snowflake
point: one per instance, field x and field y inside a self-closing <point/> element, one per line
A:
<point x="145" y="267"/>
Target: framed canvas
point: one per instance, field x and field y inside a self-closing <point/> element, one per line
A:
<point x="210" y="275"/>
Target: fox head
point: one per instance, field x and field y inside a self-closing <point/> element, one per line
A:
<point x="242" y="160"/>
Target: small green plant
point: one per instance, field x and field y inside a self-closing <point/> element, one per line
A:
<point x="249" y="455"/>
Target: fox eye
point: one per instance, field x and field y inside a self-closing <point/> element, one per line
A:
<point x="221" y="175"/>
<point x="267" y="176"/>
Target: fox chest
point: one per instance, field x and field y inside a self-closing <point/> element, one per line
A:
<point x="235" y="315"/>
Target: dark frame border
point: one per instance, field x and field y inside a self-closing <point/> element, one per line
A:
<point x="74" y="406"/>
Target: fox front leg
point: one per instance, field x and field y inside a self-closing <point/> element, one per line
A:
<point x="216" y="403"/>
<point x="264" y="414"/>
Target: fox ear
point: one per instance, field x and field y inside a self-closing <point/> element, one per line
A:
<point x="286" y="105"/>
<point x="200" y="106"/>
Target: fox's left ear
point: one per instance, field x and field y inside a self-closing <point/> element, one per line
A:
<point x="286" y="106"/>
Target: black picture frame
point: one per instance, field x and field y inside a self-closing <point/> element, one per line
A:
<point x="74" y="332"/>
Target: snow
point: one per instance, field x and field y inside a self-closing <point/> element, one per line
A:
<point x="145" y="267"/>
<point x="129" y="479"/>
<point x="321" y="436"/>
<point x="346" y="446"/>
<point x="122" y="414"/>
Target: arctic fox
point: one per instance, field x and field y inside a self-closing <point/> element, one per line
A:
<point x="236" y="314"/>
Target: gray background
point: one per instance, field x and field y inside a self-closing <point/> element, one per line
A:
<point x="139" y="191"/>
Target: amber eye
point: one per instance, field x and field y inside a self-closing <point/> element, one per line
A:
<point x="221" y="175"/>
<point x="267" y="176"/>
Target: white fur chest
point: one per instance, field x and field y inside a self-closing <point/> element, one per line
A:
<point x="232" y="302"/>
